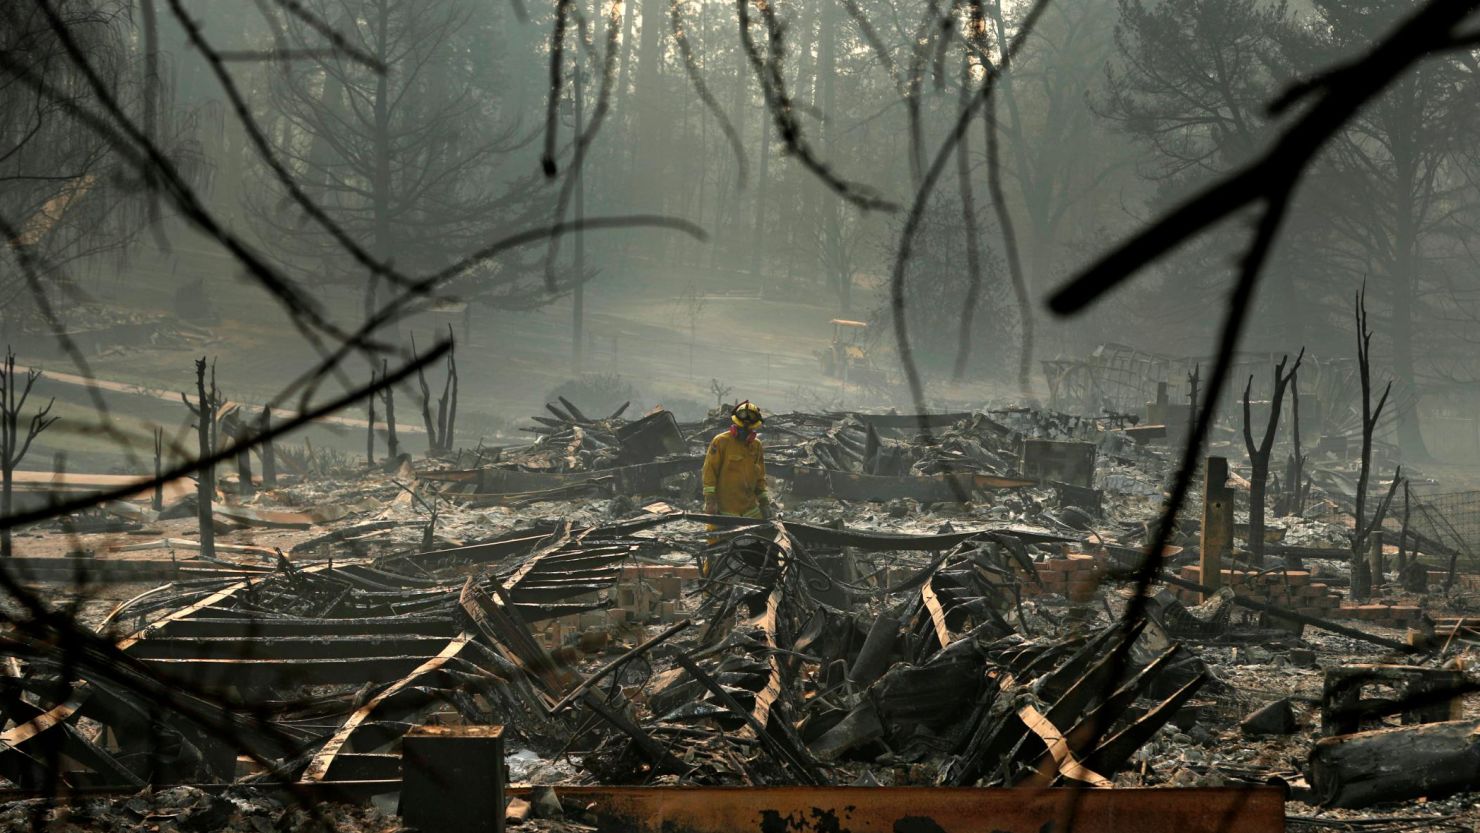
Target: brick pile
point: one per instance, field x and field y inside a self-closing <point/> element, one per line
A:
<point x="1387" y="614"/>
<point x="1076" y="577"/>
<point x="1462" y="581"/>
<point x="1291" y="589"/>
<point x="1295" y="590"/>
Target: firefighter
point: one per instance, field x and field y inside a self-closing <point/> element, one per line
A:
<point x="735" y="468"/>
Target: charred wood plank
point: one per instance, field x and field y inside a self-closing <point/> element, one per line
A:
<point x="295" y="648"/>
<point x="251" y="626"/>
<point x="259" y="674"/>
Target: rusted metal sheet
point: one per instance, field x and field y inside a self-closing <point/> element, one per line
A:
<point x="931" y="810"/>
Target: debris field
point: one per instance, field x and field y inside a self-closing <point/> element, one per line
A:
<point x="941" y="601"/>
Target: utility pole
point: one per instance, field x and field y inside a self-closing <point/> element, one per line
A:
<point x="1217" y="524"/>
<point x="578" y="299"/>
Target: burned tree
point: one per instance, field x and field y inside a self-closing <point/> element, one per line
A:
<point x="207" y="405"/>
<point x="447" y="405"/>
<point x="439" y="430"/>
<point x="1361" y="575"/>
<point x="13" y="447"/>
<point x="156" y="502"/>
<point x="370" y="425"/>
<point x="1259" y="454"/>
<point x="388" y="396"/>
<point x="1297" y="486"/>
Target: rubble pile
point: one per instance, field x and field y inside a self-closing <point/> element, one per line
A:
<point x="942" y="601"/>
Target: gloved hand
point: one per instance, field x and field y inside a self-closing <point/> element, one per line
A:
<point x="764" y="501"/>
<point x="711" y="506"/>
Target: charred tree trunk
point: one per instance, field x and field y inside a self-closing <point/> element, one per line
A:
<point x="1296" y="487"/>
<point x="1361" y="577"/>
<point x="13" y="446"/>
<point x="447" y="405"/>
<point x="1259" y="454"/>
<point x="157" y="502"/>
<point x="370" y="428"/>
<point x="426" y="405"/>
<point x="388" y="395"/>
<point x="1431" y="759"/>
<point x="205" y="482"/>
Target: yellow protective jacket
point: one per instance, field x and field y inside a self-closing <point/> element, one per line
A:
<point x="735" y="475"/>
